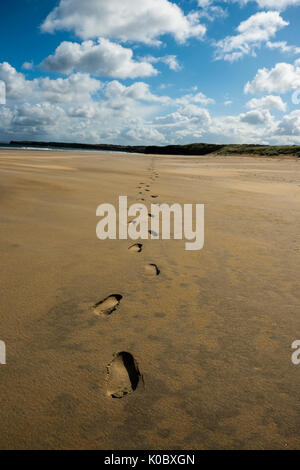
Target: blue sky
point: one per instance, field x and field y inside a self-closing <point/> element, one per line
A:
<point x="151" y="71"/>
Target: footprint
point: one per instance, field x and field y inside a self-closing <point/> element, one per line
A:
<point x="123" y="375"/>
<point x="152" y="270"/>
<point x="154" y="197"/>
<point x="108" y="305"/>
<point x="137" y="248"/>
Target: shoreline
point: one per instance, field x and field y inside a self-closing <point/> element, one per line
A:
<point x="196" y="149"/>
<point x="110" y="153"/>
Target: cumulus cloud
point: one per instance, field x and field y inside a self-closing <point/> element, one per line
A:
<point x="290" y="124"/>
<point x="80" y="108"/>
<point x="16" y="85"/>
<point x="251" y="34"/>
<point x="267" y="102"/>
<point x="138" y="91"/>
<point x="101" y="58"/>
<point x="188" y="123"/>
<point x="278" y="4"/>
<point x="77" y="108"/>
<point x="281" y="78"/>
<point x="256" y="117"/>
<point x="78" y="87"/>
<point x="197" y="97"/>
<point x="143" y="133"/>
<point x="169" y="60"/>
<point x="28" y="66"/>
<point x="126" y="20"/>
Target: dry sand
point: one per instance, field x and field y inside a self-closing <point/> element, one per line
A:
<point x="211" y="335"/>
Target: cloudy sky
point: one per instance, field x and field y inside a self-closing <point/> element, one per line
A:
<point x="151" y="71"/>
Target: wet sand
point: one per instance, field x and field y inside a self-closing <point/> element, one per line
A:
<point x="209" y="338"/>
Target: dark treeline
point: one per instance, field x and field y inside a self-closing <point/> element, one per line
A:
<point x="191" y="149"/>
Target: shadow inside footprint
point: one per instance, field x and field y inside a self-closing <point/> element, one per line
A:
<point x="154" y="197"/>
<point x="137" y="248"/>
<point x="108" y="305"/>
<point x="123" y="375"/>
<point x="152" y="270"/>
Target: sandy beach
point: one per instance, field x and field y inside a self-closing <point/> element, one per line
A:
<point x="210" y="335"/>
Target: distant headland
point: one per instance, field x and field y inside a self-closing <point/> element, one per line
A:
<point x="190" y="149"/>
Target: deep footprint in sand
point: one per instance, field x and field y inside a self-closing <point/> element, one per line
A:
<point x="152" y="270"/>
<point x="137" y="248"/>
<point x="154" y="196"/>
<point x="123" y="375"/>
<point x="108" y="305"/>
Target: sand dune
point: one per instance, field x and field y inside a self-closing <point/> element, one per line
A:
<point x="199" y="356"/>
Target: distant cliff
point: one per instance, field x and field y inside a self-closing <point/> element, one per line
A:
<point x="191" y="149"/>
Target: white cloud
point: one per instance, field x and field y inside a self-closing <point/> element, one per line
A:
<point x="290" y="124"/>
<point x="267" y="102"/>
<point x="211" y="11"/>
<point x="16" y="85"/>
<point x="28" y="66"/>
<point x="187" y="124"/>
<point x="76" y="108"/>
<point x="256" y="117"/>
<point x="80" y="108"/>
<point x="143" y="133"/>
<point x="102" y="58"/>
<point x="281" y="78"/>
<point x="252" y="33"/>
<point x="197" y="97"/>
<point x="78" y="87"/>
<point x="283" y="46"/>
<point x="278" y="4"/>
<point x="170" y="60"/>
<point x="138" y="91"/>
<point x="126" y="20"/>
